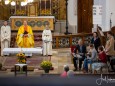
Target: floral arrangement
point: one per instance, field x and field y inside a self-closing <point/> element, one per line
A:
<point x="45" y="12"/>
<point x="20" y="12"/>
<point x="21" y="58"/>
<point x="46" y="65"/>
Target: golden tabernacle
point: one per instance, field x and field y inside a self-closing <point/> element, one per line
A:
<point x="37" y="23"/>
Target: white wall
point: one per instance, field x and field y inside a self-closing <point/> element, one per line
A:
<point x="108" y="7"/>
<point x="112" y="10"/>
<point x="103" y="4"/>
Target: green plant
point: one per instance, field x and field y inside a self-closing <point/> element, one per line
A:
<point x="46" y="65"/>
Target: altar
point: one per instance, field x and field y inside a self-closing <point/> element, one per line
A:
<point x="37" y="22"/>
<point x="28" y="51"/>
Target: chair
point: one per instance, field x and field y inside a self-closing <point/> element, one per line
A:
<point x="72" y="51"/>
<point x="112" y="59"/>
<point x="72" y="48"/>
<point x="105" y="67"/>
<point x="108" y="66"/>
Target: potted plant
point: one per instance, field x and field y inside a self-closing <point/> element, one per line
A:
<point x="46" y="65"/>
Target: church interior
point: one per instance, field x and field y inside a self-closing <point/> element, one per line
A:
<point x="71" y="22"/>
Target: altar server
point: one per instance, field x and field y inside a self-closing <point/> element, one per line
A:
<point x="47" y="41"/>
<point x="5" y="37"/>
<point x="25" y="38"/>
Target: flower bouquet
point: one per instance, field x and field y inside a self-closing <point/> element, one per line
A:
<point x="21" y="58"/>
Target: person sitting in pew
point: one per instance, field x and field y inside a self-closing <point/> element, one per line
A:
<point x="91" y="57"/>
<point x="102" y="60"/>
<point x="79" y="54"/>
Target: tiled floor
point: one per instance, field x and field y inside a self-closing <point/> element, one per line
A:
<point x="60" y="58"/>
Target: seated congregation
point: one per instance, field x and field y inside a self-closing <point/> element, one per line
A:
<point x="95" y="57"/>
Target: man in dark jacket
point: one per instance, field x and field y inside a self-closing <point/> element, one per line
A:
<point x="79" y="54"/>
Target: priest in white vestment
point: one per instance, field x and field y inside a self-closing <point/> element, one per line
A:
<point x="47" y="41"/>
<point x="5" y="37"/>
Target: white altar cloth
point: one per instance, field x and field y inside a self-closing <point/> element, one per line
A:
<point x="21" y="65"/>
<point x="24" y="50"/>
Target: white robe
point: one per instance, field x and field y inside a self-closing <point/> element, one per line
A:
<point x="5" y="37"/>
<point x="47" y="42"/>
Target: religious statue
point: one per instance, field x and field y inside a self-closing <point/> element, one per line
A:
<point x="5" y="37"/>
<point x="25" y="38"/>
<point x="47" y="41"/>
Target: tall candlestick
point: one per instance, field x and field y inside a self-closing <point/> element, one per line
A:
<point x="50" y="7"/>
<point x="45" y="7"/>
<point x="40" y="7"/>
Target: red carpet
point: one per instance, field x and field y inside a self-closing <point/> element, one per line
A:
<point x="33" y="61"/>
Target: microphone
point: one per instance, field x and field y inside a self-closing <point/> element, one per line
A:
<point x="111" y="15"/>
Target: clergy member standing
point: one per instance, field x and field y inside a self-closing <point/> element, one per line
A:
<point x="5" y="37"/>
<point x="25" y="38"/>
<point x="47" y="41"/>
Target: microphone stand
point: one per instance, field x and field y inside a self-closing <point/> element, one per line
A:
<point x="110" y="21"/>
<point x="67" y="32"/>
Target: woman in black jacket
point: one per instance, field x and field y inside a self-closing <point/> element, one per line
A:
<point x="96" y="40"/>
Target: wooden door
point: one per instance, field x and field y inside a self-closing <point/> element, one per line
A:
<point x="85" y="16"/>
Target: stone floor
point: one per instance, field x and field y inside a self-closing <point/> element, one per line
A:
<point x="60" y="58"/>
